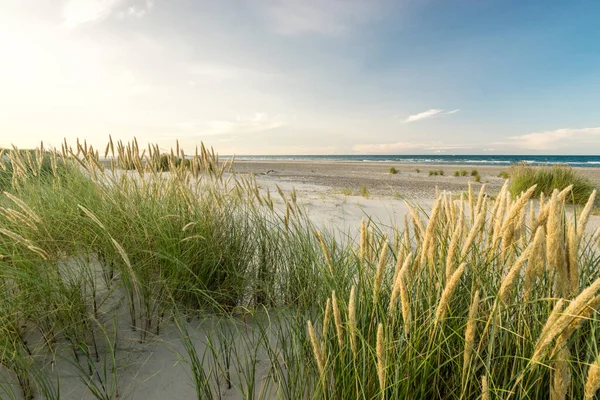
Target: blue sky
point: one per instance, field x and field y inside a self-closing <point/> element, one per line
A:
<point x="304" y="76"/>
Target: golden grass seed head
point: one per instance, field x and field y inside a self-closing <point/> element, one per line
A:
<point x="380" y="351"/>
<point x="556" y="325"/>
<point x="316" y="349"/>
<point x="592" y="382"/>
<point x="509" y="280"/>
<point x="337" y="318"/>
<point x="485" y="389"/>
<point x="379" y="273"/>
<point x="561" y="376"/>
<point x="585" y="215"/>
<point x="470" y="331"/>
<point x="326" y="321"/>
<point x="352" y="320"/>
<point x="447" y="293"/>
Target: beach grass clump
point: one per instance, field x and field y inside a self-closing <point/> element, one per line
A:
<point x="393" y="171"/>
<point x="473" y="297"/>
<point x="474" y="172"/>
<point x="504" y="175"/>
<point x="549" y="178"/>
<point x="436" y="172"/>
<point x="364" y="191"/>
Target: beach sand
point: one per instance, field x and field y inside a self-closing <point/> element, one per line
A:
<point x="337" y="177"/>
<point x="331" y="191"/>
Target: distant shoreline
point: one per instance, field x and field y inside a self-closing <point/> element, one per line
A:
<point x="587" y="161"/>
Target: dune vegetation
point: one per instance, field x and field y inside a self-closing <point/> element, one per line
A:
<point x="548" y="178"/>
<point x="473" y="298"/>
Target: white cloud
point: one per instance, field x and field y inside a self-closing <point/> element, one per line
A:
<point x="401" y="147"/>
<point x="428" y="114"/>
<point x="79" y="12"/>
<point x="423" y="115"/>
<point x="553" y="139"/>
<point x="324" y="17"/>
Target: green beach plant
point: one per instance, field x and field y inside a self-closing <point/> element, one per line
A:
<point x="548" y="178"/>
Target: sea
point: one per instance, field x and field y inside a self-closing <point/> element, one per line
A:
<point x="500" y="160"/>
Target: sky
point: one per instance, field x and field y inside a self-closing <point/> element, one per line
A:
<point x="304" y="76"/>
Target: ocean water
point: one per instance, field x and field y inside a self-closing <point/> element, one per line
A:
<point x="574" y="161"/>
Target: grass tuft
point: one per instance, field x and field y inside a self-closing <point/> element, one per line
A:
<point x="549" y="178"/>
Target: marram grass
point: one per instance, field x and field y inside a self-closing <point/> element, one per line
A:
<point x="476" y="298"/>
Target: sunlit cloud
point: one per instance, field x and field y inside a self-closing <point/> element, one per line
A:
<point x="553" y="139"/>
<point x="428" y="114"/>
<point x="79" y="12"/>
<point x="402" y="147"/>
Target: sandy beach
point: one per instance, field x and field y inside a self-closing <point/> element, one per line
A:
<point x="331" y="191"/>
<point x="412" y="180"/>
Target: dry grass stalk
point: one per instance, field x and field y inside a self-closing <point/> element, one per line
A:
<point x="571" y="257"/>
<point x="23" y="206"/>
<point x="325" y="252"/>
<point x="561" y="376"/>
<point x="592" y="383"/>
<point x="511" y="277"/>
<point x="380" y="350"/>
<point x="585" y="215"/>
<point x="555" y="326"/>
<point x="480" y="199"/>
<point x="534" y="261"/>
<point x="479" y="223"/>
<point x="498" y="218"/>
<point x="453" y="246"/>
<point x="511" y="222"/>
<point x="337" y="318"/>
<point x="400" y="258"/>
<point x="405" y="304"/>
<point x="578" y="320"/>
<point x="447" y="293"/>
<point x="397" y="282"/>
<point x="352" y="321"/>
<point x="470" y="332"/>
<point x="555" y="245"/>
<point x="379" y="272"/>
<point x="419" y="228"/>
<point x="485" y="389"/>
<point x="562" y="195"/>
<point x="326" y="321"/>
<point x="427" y="247"/>
<point x="316" y="349"/>
<point x="363" y="240"/>
<point x="20" y="239"/>
<point x="471" y="203"/>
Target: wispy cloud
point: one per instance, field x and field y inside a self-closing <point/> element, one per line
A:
<point x="402" y="147"/>
<point x="323" y="17"/>
<point x="428" y="114"/>
<point x="81" y="12"/>
<point x="553" y="139"/>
